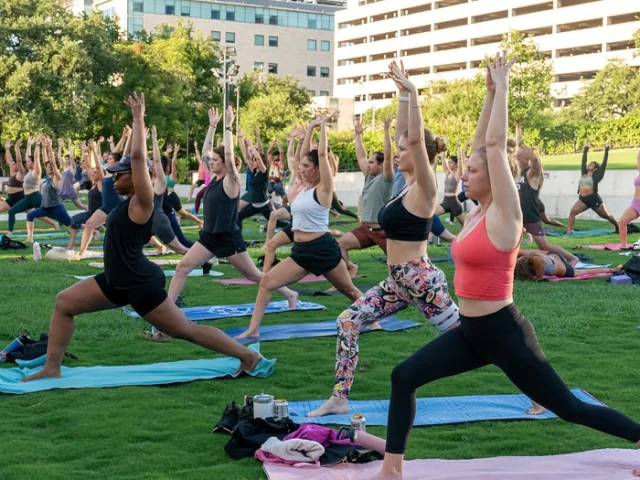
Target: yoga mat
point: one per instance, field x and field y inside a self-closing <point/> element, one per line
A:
<point x="229" y="311"/>
<point x="167" y="273"/>
<point x="147" y="253"/>
<point x="127" y="375"/>
<point x="435" y="410"/>
<point x="328" y="292"/>
<point x="606" y="464"/>
<point x="580" y="265"/>
<point x="586" y="276"/>
<point x="157" y="262"/>
<point x="578" y="233"/>
<point x="245" y="281"/>
<point x="611" y="246"/>
<point x="58" y="233"/>
<point x="317" y="329"/>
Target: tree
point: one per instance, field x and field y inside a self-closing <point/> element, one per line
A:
<point x="530" y="81"/>
<point x="613" y="93"/>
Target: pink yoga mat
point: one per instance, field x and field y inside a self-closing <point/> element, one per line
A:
<point x="245" y="281"/>
<point x="611" y="246"/>
<point x="586" y="276"/>
<point x="610" y="464"/>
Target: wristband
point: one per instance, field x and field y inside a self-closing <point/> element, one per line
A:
<point x="403" y="99"/>
<point x="228" y="128"/>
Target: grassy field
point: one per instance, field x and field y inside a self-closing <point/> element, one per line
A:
<point x="587" y="329"/>
<point x="623" y="159"/>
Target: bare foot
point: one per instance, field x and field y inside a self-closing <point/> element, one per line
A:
<point x="96" y="235"/>
<point x="383" y="475"/>
<point x="375" y="325"/>
<point x="333" y="406"/>
<point x="9" y="234"/>
<point x="536" y="409"/>
<point x="616" y="269"/>
<point x="56" y="226"/>
<point x="353" y="270"/>
<point x="44" y="373"/>
<point x="335" y="214"/>
<point x="162" y="250"/>
<point x="249" y="364"/>
<point x="249" y="334"/>
<point x="292" y="298"/>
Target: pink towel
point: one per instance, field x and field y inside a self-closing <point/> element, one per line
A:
<point x="611" y="246"/>
<point x="609" y="464"/>
<point x="586" y="276"/>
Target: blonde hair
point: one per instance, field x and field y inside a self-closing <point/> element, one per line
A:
<point x="511" y="159"/>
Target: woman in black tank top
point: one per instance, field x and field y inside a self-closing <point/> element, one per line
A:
<point x="129" y="277"/>
<point x="220" y="236"/>
<point x="260" y="201"/>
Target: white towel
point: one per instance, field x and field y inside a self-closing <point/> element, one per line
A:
<point x="294" y="450"/>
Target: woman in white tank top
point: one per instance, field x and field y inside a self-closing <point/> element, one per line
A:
<point x="314" y="249"/>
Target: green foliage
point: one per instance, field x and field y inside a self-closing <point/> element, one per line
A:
<point x="342" y="144"/>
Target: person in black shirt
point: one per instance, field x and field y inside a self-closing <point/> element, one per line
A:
<point x="260" y="201"/>
<point x="129" y="277"/>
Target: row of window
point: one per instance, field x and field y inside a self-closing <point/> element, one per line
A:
<point x="325" y="45"/>
<point x="259" y="40"/>
<point x="235" y="13"/>
<point x="273" y="68"/>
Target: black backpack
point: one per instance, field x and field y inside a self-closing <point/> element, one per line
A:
<point x="32" y="349"/>
<point x="632" y="269"/>
<point x="7" y="243"/>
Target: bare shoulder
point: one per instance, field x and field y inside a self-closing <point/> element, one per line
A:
<point x="418" y="203"/>
<point x="503" y="229"/>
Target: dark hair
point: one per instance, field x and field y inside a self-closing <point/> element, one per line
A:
<point x="524" y="269"/>
<point x="313" y="157"/>
<point x="219" y="150"/>
<point x="454" y="158"/>
<point x="165" y="164"/>
<point x="275" y="152"/>
<point x="379" y="156"/>
<point x="434" y="145"/>
<point x="117" y="156"/>
<point x="596" y="164"/>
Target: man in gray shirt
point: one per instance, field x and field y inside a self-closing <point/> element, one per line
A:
<point x="378" y="183"/>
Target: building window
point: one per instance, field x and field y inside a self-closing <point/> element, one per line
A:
<point x="311" y="71"/>
<point x="230" y="37"/>
<point x="312" y="92"/>
<point x="324" y="72"/>
<point x="312" y="21"/>
<point x="170" y="9"/>
<point x="259" y="17"/>
<point x="185" y="10"/>
<point x="258" y="66"/>
<point x="325" y="46"/>
<point x="273" y="68"/>
<point x="273" y="19"/>
<point x="273" y="41"/>
<point x="215" y="34"/>
<point x="215" y="14"/>
<point x="138" y="6"/>
<point x="258" y="40"/>
<point x="324" y="93"/>
<point x="230" y="14"/>
<point x="312" y="44"/>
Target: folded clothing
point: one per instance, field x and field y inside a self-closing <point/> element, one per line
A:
<point x="292" y="452"/>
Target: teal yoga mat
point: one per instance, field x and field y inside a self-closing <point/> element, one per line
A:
<point x="127" y="375"/>
<point x="578" y="233"/>
<point x="167" y="273"/>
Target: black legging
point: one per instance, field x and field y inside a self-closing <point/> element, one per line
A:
<point x="338" y="207"/>
<point x="505" y="339"/>
<point x="250" y="211"/>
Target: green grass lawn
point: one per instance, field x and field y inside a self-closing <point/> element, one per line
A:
<point x="588" y="330"/>
<point x="623" y="159"/>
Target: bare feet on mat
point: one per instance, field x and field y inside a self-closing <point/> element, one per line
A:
<point x="292" y="298"/>
<point x="44" y="373"/>
<point x="249" y="334"/>
<point x="333" y="406"/>
<point x="250" y="364"/>
<point x="352" y="268"/>
<point x="536" y="409"/>
<point x="387" y="476"/>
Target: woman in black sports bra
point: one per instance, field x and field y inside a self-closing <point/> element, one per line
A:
<point x="406" y="221"/>
<point x="129" y="277"/>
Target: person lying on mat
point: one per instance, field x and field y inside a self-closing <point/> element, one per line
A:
<point x="588" y="198"/>
<point x="536" y="264"/>
<point x="129" y="277"/>
<point x="406" y="220"/>
<point x="492" y="331"/>
<point x="314" y="249"/>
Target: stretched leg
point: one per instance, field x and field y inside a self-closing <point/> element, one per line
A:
<point x="246" y="212"/>
<point x="337" y="205"/>
<point x="190" y="216"/>
<point x="83" y="297"/>
<point x="543" y="244"/>
<point x="461" y="219"/>
<point x="196" y="256"/>
<point x="175" y="226"/>
<point x="627" y="217"/>
<point x="19" y="207"/>
<point x="339" y="277"/>
<point x="283" y="274"/>
<point x="602" y="212"/>
<point x="271" y="247"/>
<point x="158" y="244"/>
<point x="4" y="207"/>
<point x="550" y="221"/>
<point x="280" y="214"/>
<point x="169" y="319"/>
<point x="73" y="233"/>
<point x="51" y="222"/>
<point x="375" y="304"/>
<point x="577" y="209"/>
<point x="349" y="242"/>
<point x="76" y="201"/>
<point x="428" y="290"/>
<point x="177" y="247"/>
<point x="97" y="219"/>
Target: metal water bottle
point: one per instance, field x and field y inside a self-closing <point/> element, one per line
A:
<point x="37" y="252"/>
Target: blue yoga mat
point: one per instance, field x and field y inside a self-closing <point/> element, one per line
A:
<point x="167" y="273"/>
<point x="316" y="329"/>
<point x="437" y="410"/>
<point x="242" y="310"/>
<point x="578" y="233"/>
<point x="127" y="375"/>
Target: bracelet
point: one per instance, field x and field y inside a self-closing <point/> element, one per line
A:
<point x="212" y="126"/>
<point x="229" y="128"/>
<point x="403" y="99"/>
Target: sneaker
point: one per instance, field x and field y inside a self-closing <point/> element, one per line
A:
<point x="229" y="419"/>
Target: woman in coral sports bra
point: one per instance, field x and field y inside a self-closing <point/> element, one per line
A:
<point x="491" y="331"/>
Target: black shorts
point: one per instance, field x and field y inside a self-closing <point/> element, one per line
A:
<point x="592" y="201"/>
<point x="174" y="200"/>
<point x="223" y="244"/>
<point x="14" y="198"/>
<point x="318" y="256"/>
<point x="288" y="231"/>
<point x="451" y="204"/>
<point x="200" y="183"/>
<point x="86" y="185"/>
<point x="142" y="299"/>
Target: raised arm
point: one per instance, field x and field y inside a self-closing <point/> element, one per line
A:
<point x="214" y="118"/>
<point x="598" y="175"/>
<point x="259" y="145"/>
<point x="503" y="187"/>
<point x="461" y="161"/>
<point x="231" y="182"/>
<point x="306" y="143"/>
<point x="123" y="139"/>
<point x="60" y="143"/>
<point x="585" y="152"/>
<point x="127" y="145"/>
<point x="402" y="119"/>
<point x="88" y="166"/>
<point x="141" y="206"/>
<point x="423" y="171"/>
<point x="361" y="153"/>
<point x="638" y="160"/>
<point x="19" y="157"/>
<point x="485" y="114"/>
<point x="30" y="142"/>
<point x="7" y="154"/>
<point x="256" y="156"/>
<point x="387" y="163"/>
<point x="174" y="163"/>
<point x="112" y="146"/>
<point x="325" y="187"/>
<point x="37" y="167"/>
<point x="55" y="168"/>
<point x="72" y="155"/>
<point x="160" y="184"/>
<point x="291" y="154"/>
<point x="98" y="147"/>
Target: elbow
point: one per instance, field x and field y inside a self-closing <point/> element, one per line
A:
<point x="497" y="140"/>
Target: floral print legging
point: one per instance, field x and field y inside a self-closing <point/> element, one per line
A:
<point x="418" y="283"/>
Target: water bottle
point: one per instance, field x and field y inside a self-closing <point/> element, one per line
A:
<point x="16" y="344"/>
<point x="37" y="252"/>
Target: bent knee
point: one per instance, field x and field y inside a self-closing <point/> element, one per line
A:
<point x="267" y="282"/>
<point x="402" y="377"/>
